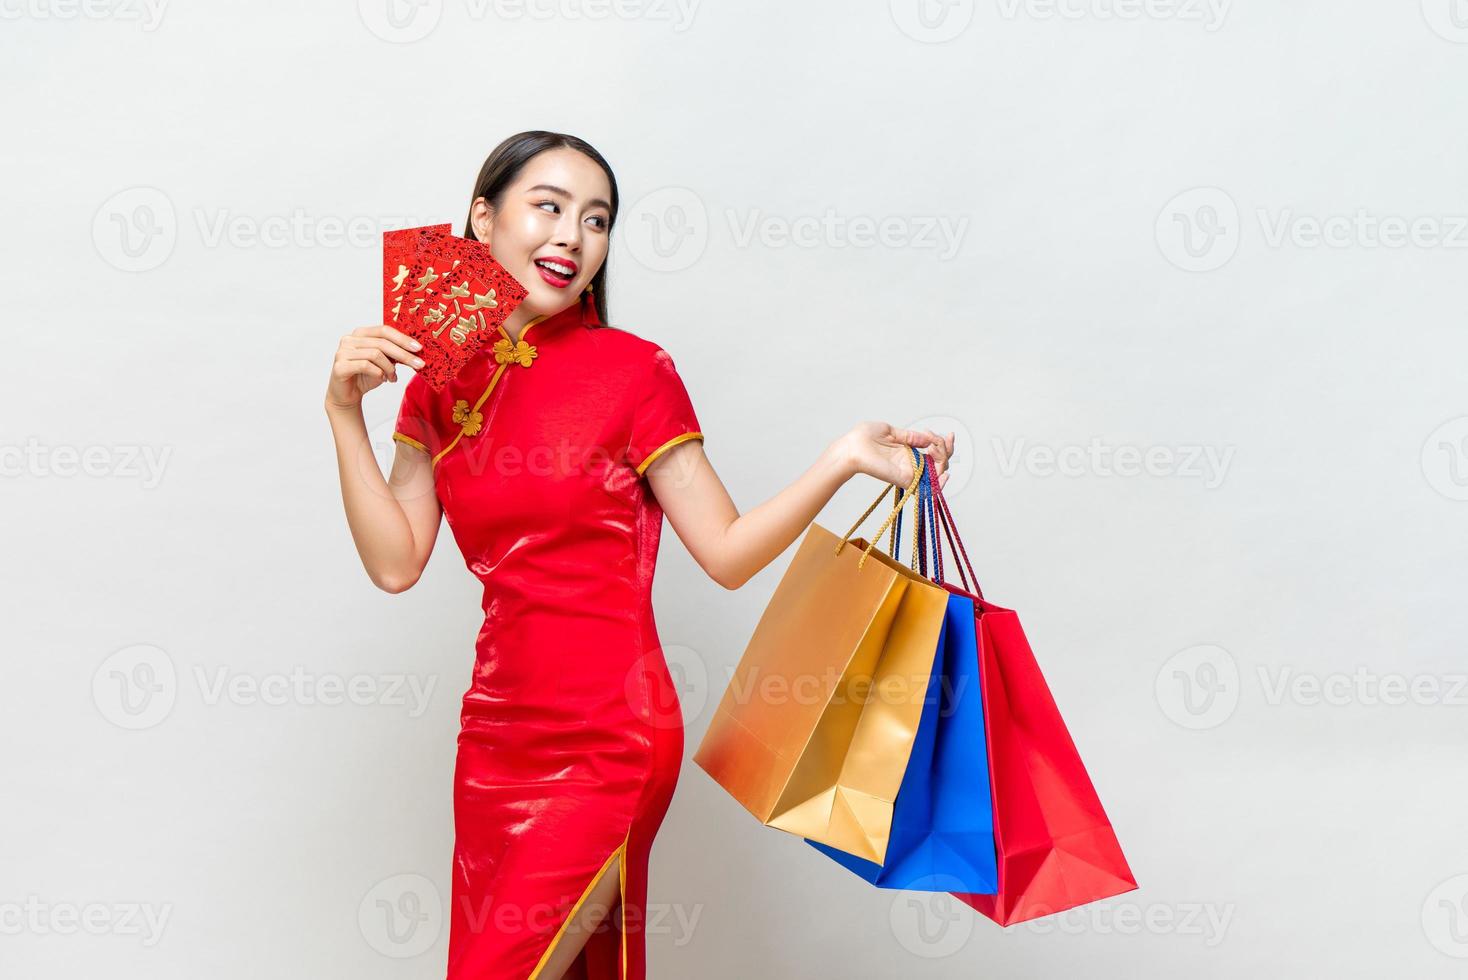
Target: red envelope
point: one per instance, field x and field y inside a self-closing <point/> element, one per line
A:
<point x="448" y="293"/>
<point x="398" y="249"/>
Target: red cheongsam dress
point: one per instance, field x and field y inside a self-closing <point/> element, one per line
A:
<point x="571" y="733"/>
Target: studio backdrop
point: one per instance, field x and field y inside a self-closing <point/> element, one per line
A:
<point x="1185" y="278"/>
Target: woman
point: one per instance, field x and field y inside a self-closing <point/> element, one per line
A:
<point x="554" y="455"/>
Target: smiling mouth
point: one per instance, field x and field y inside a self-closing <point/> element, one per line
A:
<point x="556" y="272"/>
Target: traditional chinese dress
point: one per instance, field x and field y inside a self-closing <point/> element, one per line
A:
<point x="571" y="733"/>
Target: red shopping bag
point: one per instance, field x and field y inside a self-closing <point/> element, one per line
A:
<point x="1054" y="843"/>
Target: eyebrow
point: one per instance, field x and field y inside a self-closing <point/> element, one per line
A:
<point x="594" y="202"/>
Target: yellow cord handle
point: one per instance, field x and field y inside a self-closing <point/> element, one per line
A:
<point x="917" y="475"/>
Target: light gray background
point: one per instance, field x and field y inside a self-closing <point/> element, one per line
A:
<point x="1261" y="658"/>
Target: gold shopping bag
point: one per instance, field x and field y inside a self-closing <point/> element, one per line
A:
<point x="814" y="731"/>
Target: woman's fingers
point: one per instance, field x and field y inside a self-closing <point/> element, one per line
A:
<point x="391" y="349"/>
<point x="390" y="333"/>
<point x="353" y="367"/>
<point x="916" y="438"/>
<point x="400" y="338"/>
<point x="938" y="450"/>
<point x="925" y="439"/>
<point x="375" y="356"/>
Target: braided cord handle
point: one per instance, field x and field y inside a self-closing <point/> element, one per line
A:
<point x="926" y="524"/>
<point x="950" y="529"/>
<point x="925" y="540"/>
<point x="919" y="468"/>
<point x="930" y="522"/>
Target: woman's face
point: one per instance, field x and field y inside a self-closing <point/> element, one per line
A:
<point x="551" y="230"/>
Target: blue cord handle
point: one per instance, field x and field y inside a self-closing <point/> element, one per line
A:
<point x="926" y="521"/>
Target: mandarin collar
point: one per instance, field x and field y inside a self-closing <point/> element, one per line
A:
<point x="581" y="312"/>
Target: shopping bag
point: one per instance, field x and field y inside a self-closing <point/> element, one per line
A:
<point x="942" y="835"/>
<point x="814" y="731"/>
<point x="1055" y="846"/>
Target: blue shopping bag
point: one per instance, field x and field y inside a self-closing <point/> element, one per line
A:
<point x="942" y="836"/>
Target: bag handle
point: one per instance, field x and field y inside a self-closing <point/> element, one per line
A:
<point x="922" y="516"/>
<point x="934" y="515"/>
<point x="920" y="466"/>
<point x="924" y="526"/>
<point x="950" y="529"/>
<point x="948" y="533"/>
<point x="919" y="560"/>
<point x="930" y="523"/>
<point x="931" y="518"/>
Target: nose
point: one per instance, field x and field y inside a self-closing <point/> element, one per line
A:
<point x="568" y="232"/>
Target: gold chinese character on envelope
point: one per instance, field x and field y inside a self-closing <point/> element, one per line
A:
<point x="448" y="293"/>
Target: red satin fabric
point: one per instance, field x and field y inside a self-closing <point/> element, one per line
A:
<point x="571" y="734"/>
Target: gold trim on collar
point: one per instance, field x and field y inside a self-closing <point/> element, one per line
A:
<point x="523" y="330"/>
<point x="493" y="380"/>
<point x="642" y="467"/>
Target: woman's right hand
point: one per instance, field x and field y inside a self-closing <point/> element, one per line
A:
<point x="885" y="452"/>
<point x="364" y="359"/>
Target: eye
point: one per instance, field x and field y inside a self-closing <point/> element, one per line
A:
<point x="550" y="203"/>
<point x="600" y="221"/>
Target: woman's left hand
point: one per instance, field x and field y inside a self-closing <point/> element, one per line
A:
<point x="882" y="451"/>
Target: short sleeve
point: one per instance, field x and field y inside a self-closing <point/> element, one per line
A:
<point x="415" y="421"/>
<point x="662" y="414"/>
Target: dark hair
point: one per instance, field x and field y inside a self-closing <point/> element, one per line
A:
<point x="504" y="164"/>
